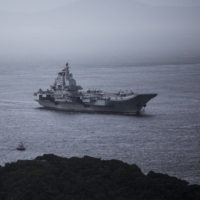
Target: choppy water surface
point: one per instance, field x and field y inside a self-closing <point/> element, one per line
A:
<point x="166" y="138"/>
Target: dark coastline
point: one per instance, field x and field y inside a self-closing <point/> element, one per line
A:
<point x="53" y="177"/>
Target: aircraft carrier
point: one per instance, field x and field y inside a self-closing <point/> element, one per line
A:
<point x="66" y="95"/>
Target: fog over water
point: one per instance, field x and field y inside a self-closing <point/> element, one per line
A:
<point x="106" y="31"/>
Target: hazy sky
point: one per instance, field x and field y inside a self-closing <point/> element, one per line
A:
<point x="83" y="33"/>
<point x="39" y="5"/>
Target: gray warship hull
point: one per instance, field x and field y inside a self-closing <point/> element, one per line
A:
<point x="130" y="106"/>
<point x="66" y="95"/>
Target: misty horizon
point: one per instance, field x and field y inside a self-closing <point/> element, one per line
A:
<point x="102" y="32"/>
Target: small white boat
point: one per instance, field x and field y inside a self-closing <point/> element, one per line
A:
<point x="21" y="147"/>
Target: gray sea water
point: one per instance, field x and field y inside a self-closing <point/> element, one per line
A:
<point x="165" y="138"/>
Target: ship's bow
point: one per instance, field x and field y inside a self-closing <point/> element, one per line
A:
<point x="142" y="99"/>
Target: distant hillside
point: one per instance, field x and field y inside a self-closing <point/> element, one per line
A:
<point x="52" y="177"/>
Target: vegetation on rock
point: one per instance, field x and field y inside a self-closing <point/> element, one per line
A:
<point x="52" y="177"/>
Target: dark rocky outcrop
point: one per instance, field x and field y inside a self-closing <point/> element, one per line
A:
<point x="53" y="177"/>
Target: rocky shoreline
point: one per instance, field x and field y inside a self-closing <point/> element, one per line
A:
<point x="53" y="177"/>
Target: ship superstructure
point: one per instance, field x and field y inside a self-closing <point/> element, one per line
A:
<point x="65" y="94"/>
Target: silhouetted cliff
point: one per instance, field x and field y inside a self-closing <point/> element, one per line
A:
<point x="53" y="177"/>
